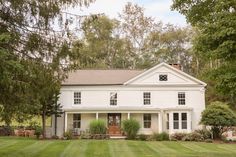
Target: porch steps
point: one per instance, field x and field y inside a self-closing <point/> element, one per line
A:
<point x="118" y="137"/>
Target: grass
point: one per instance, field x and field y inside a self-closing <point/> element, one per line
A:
<point x="24" y="147"/>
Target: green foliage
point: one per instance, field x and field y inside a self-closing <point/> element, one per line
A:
<point x="143" y="137"/>
<point x="97" y="127"/>
<point x="194" y="136"/>
<point x="216" y="40"/>
<point x="131" y="127"/>
<point x="178" y="136"/>
<point x="206" y="134"/>
<point x="68" y="135"/>
<point x="218" y="115"/>
<point x="38" y="131"/>
<point x="160" y="136"/>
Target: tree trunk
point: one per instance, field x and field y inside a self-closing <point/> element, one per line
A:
<point x="44" y="124"/>
<point x="55" y="124"/>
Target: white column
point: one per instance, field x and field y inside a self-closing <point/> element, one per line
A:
<point x="189" y="121"/>
<point x="65" y="121"/>
<point x="160" y="121"/>
<point x="171" y="122"/>
<point x="128" y="115"/>
<point x="96" y="115"/>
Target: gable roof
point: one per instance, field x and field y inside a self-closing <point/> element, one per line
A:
<point x="170" y="67"/>
<point x="100" y="77"/>
<point x="117" y="77"/>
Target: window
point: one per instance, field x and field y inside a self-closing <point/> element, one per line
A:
<point x="163" y="78"/>
<point x="167" y="121"/>
<point x="76" y="120"/>
<point x="113" y="98"/>
<point x="147" y="98"/>
<point x="184" y="120"/>
<point x="77" y="98"/>
<point x="147" y="120"/>
<point x="176" y="120"/>
<point x="181" y="98"/>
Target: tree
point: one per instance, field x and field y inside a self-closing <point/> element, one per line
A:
<point x="136" y="27"/>
<point x="34" y="57"/>
<point x="216" y="22"/>
<point x="219" y="116"/>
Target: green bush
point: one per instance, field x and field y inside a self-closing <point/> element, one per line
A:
<point x="206" y="134"/>
<point x="68" y="135"/>
<point x="208" y="140"/>
<point x="143" y="137"/>
<point x="218" y="115"/>
<point x="178" y="136"/>
<point x="131" y="127"/>
<point x="194" y="136"/>
<point x="38" y="131"/>
<point x="97" y="127"/>
<point x="160" y="136"/>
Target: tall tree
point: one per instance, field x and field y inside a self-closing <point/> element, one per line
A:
<point x="216" y="21"/>
<point x="28" y="40"/>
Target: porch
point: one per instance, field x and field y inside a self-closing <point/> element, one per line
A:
<point x="151" y="121"/>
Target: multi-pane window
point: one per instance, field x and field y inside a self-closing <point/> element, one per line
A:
<point x="147" y="120"/>
<point x="176" y="120"/>
<point x="167" y="121"/>
<point x="113" y="98"/>
<point x="77" y="98"/>
<point x="181" y="98"/>
<point x="163" y="78"/>
<point x="76" y="120"/>
<point x="184" y="120"/>
<point x="147" y="98"/>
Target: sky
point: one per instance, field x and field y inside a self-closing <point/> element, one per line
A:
<point x="158" y="9"/>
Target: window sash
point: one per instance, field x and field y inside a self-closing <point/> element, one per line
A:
<point x="76" y="120"/>
<point x="77" y="98"/>
<point x="113" y="99"/>
<point x="146" y="98"/>
<point x="176" y="120"/>
<point x="147" y="118"/>
<point x="181" y="98"/>
<point x="184" y="119"/>
<point x="163" y="77"/>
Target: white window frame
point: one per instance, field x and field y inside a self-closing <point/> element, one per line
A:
<point x="181" y="98"/>
<point x="176" y="121"/>
<point x="167" y="121"/>
<point x="146" y="98"/>
<point x="184" y="121"/>
<point x="147" y="121"/>
<point x="78" y="121"/>
<point x="77" y="98"/>
<point x="113" y="98"/>
<point x="161" y="76"/>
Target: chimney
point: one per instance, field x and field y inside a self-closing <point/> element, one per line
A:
<point x="177" y="66"/>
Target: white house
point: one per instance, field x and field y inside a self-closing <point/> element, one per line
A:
<point x="162" y="98"/>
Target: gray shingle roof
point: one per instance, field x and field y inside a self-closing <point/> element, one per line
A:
<point x="100" y="77"/>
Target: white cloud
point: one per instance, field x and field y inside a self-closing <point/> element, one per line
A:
<point x="159" y="9"/>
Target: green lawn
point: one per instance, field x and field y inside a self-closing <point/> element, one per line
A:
<point x="23" y="147"/>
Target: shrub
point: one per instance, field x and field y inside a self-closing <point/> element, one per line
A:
<point x="194" y="136"/>
<point x="206" y="134"/>
<point x="68" y="135"/>
<point x="131" y="127"/>
<point x="160" y="136"/>
<point x="6" y="131"/>
<point x="208" y="140"/>
<point x="178" y="136"/>
<point x="143" y="137"/>
<point x="218" y="115"/>
<point x="55" y="137"/>
<point x="38" y="131"/>
<point x="97" y="127"/>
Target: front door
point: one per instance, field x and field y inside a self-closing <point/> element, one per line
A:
<point x="114" y="123"/>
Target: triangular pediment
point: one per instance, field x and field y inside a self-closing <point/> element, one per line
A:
<point x="174" y="77"/>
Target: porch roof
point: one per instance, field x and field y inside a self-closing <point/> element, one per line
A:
<point x="124" y="109"/>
